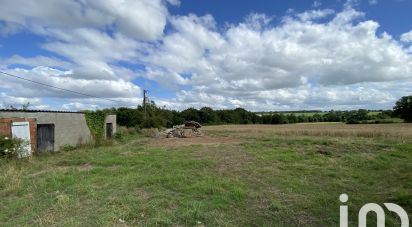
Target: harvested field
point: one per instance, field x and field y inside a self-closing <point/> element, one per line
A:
<point x="399" y="131"/>
<point x="237" y="175"/>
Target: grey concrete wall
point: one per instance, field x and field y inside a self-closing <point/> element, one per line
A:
<point x="69" y="128"/>
<point x="110" y="119"/>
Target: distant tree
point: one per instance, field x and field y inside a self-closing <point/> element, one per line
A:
<point x="190" y="114"/>
<point x="207" y="115"/>
<point x="317" y="117"/>
<point x="384" y="114"/>
<point x="241" y="116"/>
<point x="403" y="108"/>
<point x="302" y="118"/>
<point x="357" y="116"/>
<point x="276" y="119"/>
<point x="266" y="119"/>
<point x="292" y="118"/>
<point x="25" y="106"/>
<point x="280" y="118"/>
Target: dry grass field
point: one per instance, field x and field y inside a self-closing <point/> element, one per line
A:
<point x="398" y="131"/>
<point x="237" y="175"/>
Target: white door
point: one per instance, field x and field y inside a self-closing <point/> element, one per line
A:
<point x="21" y="130"/>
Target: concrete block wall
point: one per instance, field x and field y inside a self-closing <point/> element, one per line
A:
<point x="69" y="128"/>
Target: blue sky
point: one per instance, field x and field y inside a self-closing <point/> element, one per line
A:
<point x="259" y="55"/>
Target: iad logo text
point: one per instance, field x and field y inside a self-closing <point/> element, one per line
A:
<point x="372" y="207"/>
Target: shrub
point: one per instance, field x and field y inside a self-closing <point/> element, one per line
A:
<point x="9" y="147"/>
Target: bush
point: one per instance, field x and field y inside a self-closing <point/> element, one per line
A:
<point x="9" y="147"/>
<point x="124" y="133"/>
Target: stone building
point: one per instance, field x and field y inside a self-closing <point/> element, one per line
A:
<point x="48" y="131"/>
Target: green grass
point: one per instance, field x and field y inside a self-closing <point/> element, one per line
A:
<point x="266" y="181"/>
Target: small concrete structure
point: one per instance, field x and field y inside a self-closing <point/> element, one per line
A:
<point x="57" y="128"/>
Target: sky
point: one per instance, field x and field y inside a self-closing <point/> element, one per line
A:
<point x="260" y="55"/>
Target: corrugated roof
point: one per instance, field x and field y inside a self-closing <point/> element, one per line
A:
<point x="36" y="111"/>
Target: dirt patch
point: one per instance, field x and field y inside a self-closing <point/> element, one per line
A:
<point x="141" y="193"/>
<point x="179" y="142"/>
<point x="323" y="150"/>
<point x="230" y="159"/>
<point x="85" y="167"/>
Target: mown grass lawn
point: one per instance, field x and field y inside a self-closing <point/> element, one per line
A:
<point x="258" y="181"/>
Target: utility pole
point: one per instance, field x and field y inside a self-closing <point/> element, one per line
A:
<point x="145" y="102"/>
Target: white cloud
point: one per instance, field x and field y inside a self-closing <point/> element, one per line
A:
<point x="17" y="102"/>
<point x="91" y="36"/>
<point x="174" y="2"/>
<point x="247" y="59"/>
<point x="312" y="59"/>
<point x="317" y="3"/>
<point x="315" y="14"/>
<point x="36" y="61"/>
<point x="365" y="95"/>
<point x="406" y="37"/>
<point x="93" y="104"/>
<point x="9" y="28"/>
<point x="290" y="55"/>
<point x="100" y="88"/>
<point x="143" y="19"/>
<point x="373" y="2"/>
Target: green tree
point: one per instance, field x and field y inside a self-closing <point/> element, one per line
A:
<point x="207" y="115"/>
<point x="403" y="108"/>
<point x="292" y="118"/>
<point x="190" y="114"/>
<point x="129" y="117"/>
<point x="279" y="118"/>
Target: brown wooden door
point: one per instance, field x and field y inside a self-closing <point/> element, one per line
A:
<point x="45" y="137"/>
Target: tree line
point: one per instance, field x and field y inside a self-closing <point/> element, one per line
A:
<point x="155" y="116"/>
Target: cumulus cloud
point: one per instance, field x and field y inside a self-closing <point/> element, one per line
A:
<point x="54" y="77"/>
<point x="94" y="104"/>
<point x="298" y="61"/>
<point x="365" y="95"/>
<point x="143" y="19"/>
<point x="317" y="3"/>
<point x="35" y="61"/>
<point x="17" y="102"/>
<point x="406" y="37"/>
<point x="90" y="38"/>
<point x="373" y="2"/>
<point x="315" y="59"/>
<point x="298" y="52"/>
<point x="315" y="14"/>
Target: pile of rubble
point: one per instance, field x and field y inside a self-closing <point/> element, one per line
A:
<point x="188" y="130"/>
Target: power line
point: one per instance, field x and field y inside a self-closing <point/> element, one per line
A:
<point x="59" y="88"/>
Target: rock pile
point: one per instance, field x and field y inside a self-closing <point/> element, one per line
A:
<point x="188" y="130"/>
